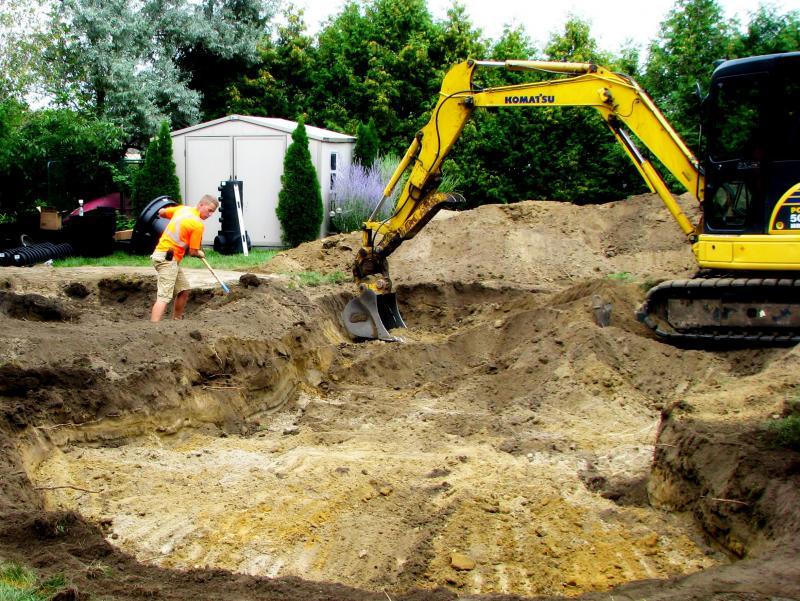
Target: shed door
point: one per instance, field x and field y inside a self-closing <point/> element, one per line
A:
<point x="208" y="162"/>
<point x="259" y="164"/>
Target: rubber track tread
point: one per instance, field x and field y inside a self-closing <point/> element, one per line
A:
<point x="744" y="288"/>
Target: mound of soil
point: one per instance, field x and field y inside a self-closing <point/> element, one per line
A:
<point x="527" y="243"/>
<point x="517" y="443"/>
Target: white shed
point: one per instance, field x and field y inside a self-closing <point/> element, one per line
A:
<point x="251" y="149"/>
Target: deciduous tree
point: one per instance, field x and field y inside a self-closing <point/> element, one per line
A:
<point x="21" y="36"/>
<point x="221" y="45"/>
<point x="141" y="63"/>
<point x="54" y="156"/>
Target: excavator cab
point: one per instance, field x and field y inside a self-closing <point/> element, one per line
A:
<point x="751" y="150"/>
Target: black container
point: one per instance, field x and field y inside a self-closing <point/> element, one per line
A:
<point x="92" y="234"/>
<point x="149" y="226"/>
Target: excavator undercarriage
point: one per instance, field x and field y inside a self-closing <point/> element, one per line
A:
<point x="707" y="310"/>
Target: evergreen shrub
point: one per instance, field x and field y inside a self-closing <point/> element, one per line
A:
<point x="300" y="199"/>
<point x="157" y="175"/>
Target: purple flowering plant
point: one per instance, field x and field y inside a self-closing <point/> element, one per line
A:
<point x="359" y="189"/>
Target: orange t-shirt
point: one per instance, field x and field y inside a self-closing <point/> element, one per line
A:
<point x="185" y="230"/>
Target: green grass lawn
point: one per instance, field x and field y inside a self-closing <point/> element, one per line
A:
<point x="119" y="258"/>
<point x="18" y="583"/>
<point x="256" y="258"/>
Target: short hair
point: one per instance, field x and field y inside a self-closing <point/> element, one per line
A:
<point x="209" y="200"/>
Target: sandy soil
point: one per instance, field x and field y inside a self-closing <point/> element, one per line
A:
<point x="510" y="446"/>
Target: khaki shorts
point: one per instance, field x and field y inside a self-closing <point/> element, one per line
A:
<point x="171" y="279"/>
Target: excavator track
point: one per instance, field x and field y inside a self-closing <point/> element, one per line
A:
<point x="724" y="311"/>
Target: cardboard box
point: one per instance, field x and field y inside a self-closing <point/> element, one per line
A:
<point x="123" y="235"/>
<point x="49" y="220"/>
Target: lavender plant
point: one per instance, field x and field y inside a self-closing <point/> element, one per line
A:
<point x="359" y="189"/>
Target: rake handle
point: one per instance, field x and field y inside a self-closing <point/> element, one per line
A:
<point x="214" y="273"/>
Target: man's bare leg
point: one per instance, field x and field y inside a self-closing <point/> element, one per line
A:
<point x="180" y="304"/>
<point x="159" y="307"/>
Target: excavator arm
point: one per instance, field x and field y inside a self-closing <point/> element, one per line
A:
<point x="623" y="106"/>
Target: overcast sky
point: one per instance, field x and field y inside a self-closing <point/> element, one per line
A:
<point x="612" y="21"/>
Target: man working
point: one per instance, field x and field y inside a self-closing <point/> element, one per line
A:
<point x="184" y="232"/>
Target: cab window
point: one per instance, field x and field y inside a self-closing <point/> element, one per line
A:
<point x="735" y="128"/>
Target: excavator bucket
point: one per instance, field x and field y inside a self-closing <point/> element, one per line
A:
<point x="372" y="316"/>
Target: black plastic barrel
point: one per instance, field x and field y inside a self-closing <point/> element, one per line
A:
<point x="149" y="226"/>
<point x="92" y="234"/>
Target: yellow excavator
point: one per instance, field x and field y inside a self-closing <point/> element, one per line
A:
<point x="746" y="243"/>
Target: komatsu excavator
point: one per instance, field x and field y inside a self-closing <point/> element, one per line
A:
<point x="746" y="243"/>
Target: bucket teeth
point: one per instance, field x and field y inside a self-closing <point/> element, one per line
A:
<point x="372" y="316"/>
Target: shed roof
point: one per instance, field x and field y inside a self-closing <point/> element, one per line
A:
<point x="284" y="125"/>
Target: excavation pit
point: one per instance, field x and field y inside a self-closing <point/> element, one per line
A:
<point x="466" y="458"/>
<point x="510" y="445"/>
<point x="374" y="510"/>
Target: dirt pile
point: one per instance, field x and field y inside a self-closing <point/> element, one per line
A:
<point x="510" y="445"/>
<point x="544" y="244"/>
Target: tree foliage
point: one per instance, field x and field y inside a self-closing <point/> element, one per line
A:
<point x="222" y="44"/>
<point x="693" y="36"/>
<point x="366" y="150"/>
<point x="770" y="32"/>
<point x="280" y="82"/>
<point x="589" y="165"/>
<point x="539" y="152"/>
<point x="137" y="64"/>
<point x="384" y="60"/>
<point x="54" y="157"/>
<point x="157" y="176"/>
<point x="105" y="62"/>
<point x="21" y="37"/>
<point x="300" y="199"/>
<point x="575" y="43"/>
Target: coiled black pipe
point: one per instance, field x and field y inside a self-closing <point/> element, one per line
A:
<point x="35" y="253"/>
<point x="6" y="256"/>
